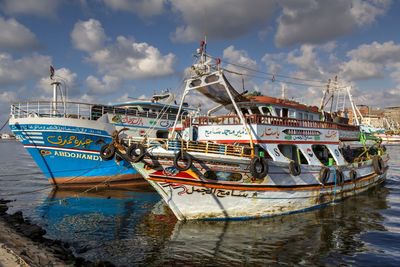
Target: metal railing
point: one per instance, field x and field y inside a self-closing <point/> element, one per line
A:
<point x="192" y="146"/>
<point x="77" y="110"/>
<point x="208" y="148"/>
<point x="270" y="120"/>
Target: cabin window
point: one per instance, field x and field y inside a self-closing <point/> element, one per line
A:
<point x="301" y="115"/>
<point x="245" y="111"/>
<point x="323" y="154"/>
<point x="266" y="111"/>
<point x="255" y="111"/>
<point x="285" y="112"/>
<point x="278" y="112"/>
<point x="292" y="152"/>
<point x="292" y="114"/>
<point x="162" y="134"/>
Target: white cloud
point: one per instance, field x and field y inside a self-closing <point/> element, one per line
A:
<point x="361" y="70"/>
<point x="125" y="58"/>
<point x="88" y="35"/>
<point x="223" y="19"/>
<point x="369" y="61"/>
<point x="43" y="8"/>
<point x="130" y="60"/>
<point x="142" y="8"/>
<point x="317" y="21"/>
<point x="15" y="36"/>
<point x="65" y="76"/>
<point x="307" y="61"/>
<point x="108" y="84"/>
<point x="19" y="71"/>
<point x="8" y="97"/>
<point x="239" y="57"/>
<point x="387" y="52"/>
<point x="274" y="62"/>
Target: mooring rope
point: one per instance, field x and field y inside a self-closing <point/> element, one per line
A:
<point x="5" y="124"/>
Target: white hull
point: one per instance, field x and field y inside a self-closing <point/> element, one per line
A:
<point x="280" y="193"/>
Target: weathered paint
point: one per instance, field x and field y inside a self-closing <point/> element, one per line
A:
<point x="196" y="197"/>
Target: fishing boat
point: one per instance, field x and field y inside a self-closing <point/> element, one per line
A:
<point x="64" y="137"/>
<point x="389" y="137"/>
<point x="266" y="157"/>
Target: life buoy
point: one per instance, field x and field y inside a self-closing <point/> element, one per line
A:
<point x="378" y="164"/>
<point x="259" y="167"/>
<point x="324" y="175"/>
<point x="353" y="175"/>
<point x="294" y="168"/>
<point x="186" y="158"/>
<point x="339" y="177"/>
<point x="135" y="152"/>
<point x="107" y="152"/>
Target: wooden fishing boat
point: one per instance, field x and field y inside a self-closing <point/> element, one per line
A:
<point x="266" y="157"/>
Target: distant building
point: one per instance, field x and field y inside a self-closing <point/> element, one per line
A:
<point x="392" y="114"/>
<point x="379" y="118"/>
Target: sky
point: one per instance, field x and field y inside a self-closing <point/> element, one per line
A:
<point x="113" y="50"/>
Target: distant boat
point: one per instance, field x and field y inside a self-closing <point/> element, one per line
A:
<point x="6" y="136"/>
<point x="64" y="138"/>
<point x="389" y="137"/>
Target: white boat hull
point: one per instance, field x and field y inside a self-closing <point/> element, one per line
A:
<point x="190" y="198"/>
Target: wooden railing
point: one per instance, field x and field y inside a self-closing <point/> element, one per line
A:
<point x="270" y="120"/>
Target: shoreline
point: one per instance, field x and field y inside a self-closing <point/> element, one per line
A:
<point x="23" y="244"/>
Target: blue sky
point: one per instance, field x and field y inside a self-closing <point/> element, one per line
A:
<point x="108" y="50"/>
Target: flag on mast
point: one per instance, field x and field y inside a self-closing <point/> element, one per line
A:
<point x="51" y="72"/>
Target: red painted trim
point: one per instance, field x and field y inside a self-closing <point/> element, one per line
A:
<point x="251" y="187"/>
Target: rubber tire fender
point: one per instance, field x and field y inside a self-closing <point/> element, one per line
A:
<point x="255" y="172"/>
<point x="353" y="175"/>
<point x="294" y="168"/>
<point x="378" y="164"/>
<point x="186" y="158"/>
<point x="132" y="155"/>
<point x="324" y="175"/>
<point x="107" y="152"/>
<point x="339" y="177"/>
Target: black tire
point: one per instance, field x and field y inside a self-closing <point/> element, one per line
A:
<point x="339" y="177"/>
<point x="107" y="152"/>
<point x="294" y="168"/>
<point x="186" y="158"/>
<point x="324" y="175"/>
<point x="259" y="167"/>
<point x="135" y="152"/>
<point x="353" y="175"/>
<point x="378" y="164"/>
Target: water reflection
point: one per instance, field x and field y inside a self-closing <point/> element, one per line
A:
<point x="103" y="224"/>
<point x="136" y="228"/>
<point x="325" y="236"/>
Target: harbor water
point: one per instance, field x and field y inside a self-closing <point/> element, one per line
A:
<point x="134" y="227"/>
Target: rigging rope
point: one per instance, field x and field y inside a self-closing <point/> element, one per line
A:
<point x="5" y="123"/>
<point x="269" y="74"/>
<point x="162" y="112"/>
<point x="276" y="80"/>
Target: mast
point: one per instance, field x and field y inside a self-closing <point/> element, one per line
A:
<point x="56" y="86"/>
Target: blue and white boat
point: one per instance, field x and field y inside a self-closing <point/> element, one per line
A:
<point x="64" y="138"/>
